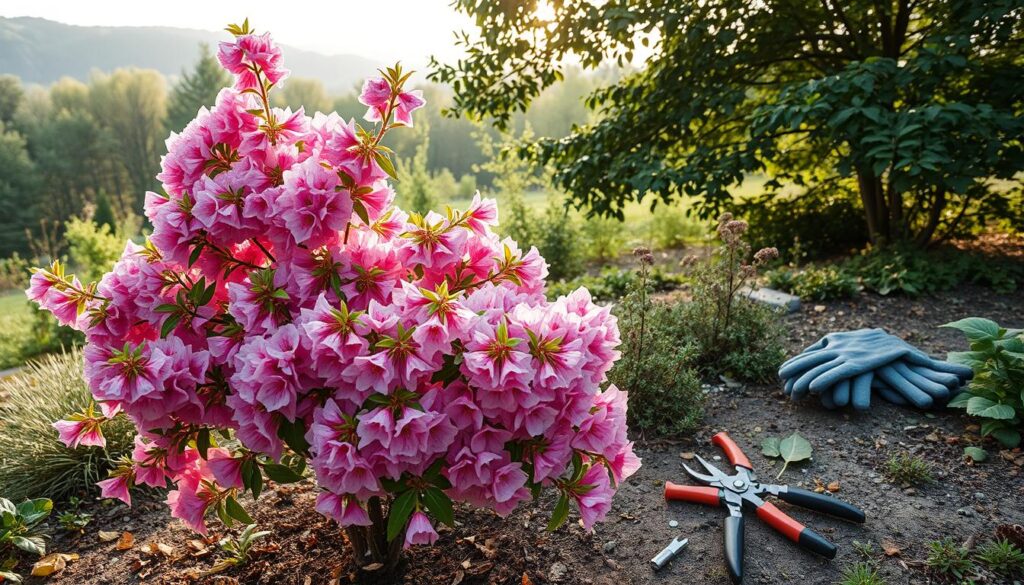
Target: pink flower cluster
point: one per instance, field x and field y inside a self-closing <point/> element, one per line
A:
<point x="284" y="298"/>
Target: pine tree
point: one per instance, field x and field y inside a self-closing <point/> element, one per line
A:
<point x="196" y="89"/>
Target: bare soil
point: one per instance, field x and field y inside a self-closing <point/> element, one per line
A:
<point x="965" y="502"/>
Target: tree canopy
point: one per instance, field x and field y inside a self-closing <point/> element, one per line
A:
<point x="915" y="105"/>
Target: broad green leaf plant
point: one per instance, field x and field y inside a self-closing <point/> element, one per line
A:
<point x="996" y="394"/>
<point x="19" y="530"/>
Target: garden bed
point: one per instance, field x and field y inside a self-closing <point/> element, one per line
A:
<point x="964" y="502"/>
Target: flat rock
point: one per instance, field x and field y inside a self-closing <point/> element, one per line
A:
<point x="773" y="298"/>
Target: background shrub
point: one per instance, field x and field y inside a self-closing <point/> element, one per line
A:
<point x="913" y="271"/>
<point x="731" y="334"/>
<point x="33" y="461"/>
<point x="807" y="227"/>
<point x="558" y="240"/>
<point x="813" y="283"/>
<point x="665" y="397"/>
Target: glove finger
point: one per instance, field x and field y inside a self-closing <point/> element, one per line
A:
<point x="841" y="393"/>
<point x="948" y="380"/>
<point x="804" y="362"/>
<point x="860" y="391"/>
<point x="836" y="375"/>
<point x="920" y="359"/>
<point x="827" y="401"/>
<point x="912" y="393"/>
<point x="891" y="395"/>
<point x="934" y="389"/>
<point x="788" y="387"/>
<point x="803" y="383"/>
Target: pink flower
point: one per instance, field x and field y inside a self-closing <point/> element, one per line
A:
<point x="226" y="469"/>
<point x="116" y="487"/>
<point x="419" y="530"/>
<point x="85" y="431"/>
<point x="482" y="214"/>
<point x="250" y="55"/>
<point x="593" y="495"/>
<point x="189" y="503"/>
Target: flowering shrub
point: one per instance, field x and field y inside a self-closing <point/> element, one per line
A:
<point x="282" y="300"/>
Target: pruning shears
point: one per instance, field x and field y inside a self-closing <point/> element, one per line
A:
<point x="742" y="489"/>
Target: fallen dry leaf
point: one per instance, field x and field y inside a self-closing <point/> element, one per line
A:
<point x="152" y="548"/>
<point x="51" y="564"/>
<point x="689" y="455"/>
<point x="526" y="579"/>
<point x="890" y="548"/>
<point x="833" y="487"/>
<point x="126" y="541"/>
<point x="459" y="576"/>
<point x="819" y="487"/>
<point x="108" y="535"/>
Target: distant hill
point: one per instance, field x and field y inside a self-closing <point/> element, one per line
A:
<point x="42" y="51"/>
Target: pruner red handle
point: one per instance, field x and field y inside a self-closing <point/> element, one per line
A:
<point x="732" y="450"/>
<point x="795" y="531"/>
<point x="692" y="493"/>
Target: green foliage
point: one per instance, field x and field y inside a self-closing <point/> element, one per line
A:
<point x="665" y="396"/>
<point x="72" y="519"/>
<point x="18" y="185"/>
<point x="196" y="89"/>
<point x="948" y="559"/>
<point x="996" y="393"/>
<point x="416" y="188"/>
<point x="733" y="335"/>
<point x="812" y="226"/>
<point x="904" y="468"/>
<point x="813" y="283"/>
<point x="466" y="187"/>
<point x="93" y="249"/>
<point x="914" y="108"/>
<point x="861" y="574"/>
<point x="914" y="272"/>
<point x="20" y="531"/>
<point x="301" y="92"/>
<point x="669" y="228"/>
<point x="558" y="241"/>
<point x="11" y="97"/>
<point x="604" y="238"/>
<point x="14" y="273"/>
<point x="614" y="283"/>
<point x="1001" y="557"/>
<point x="33" y="461"/>
<point x="238" y="549"/>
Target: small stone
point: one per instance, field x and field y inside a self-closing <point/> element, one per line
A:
<point x="558" y="572"/>
<point x="910" y="491"/>
<point x="609" y="547"/>
<point x="819" y="308"/>
<point x="980" y="496"/>
<point x="672" y="524"/>
<point x="965" y="512"/>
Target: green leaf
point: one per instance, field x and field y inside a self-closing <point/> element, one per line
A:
<point x="960" y="400"/>
<point x="976" y="328"/>
<point x="169" y="324"/>
<point x="33" y="511"/>
<point x="281" y="473"/>
<point x="222" y="513"/>
<point x="770" y="447"/>
<point x="976" y="453"/>
<point x="439" y="504"/>
<point x="401" y="508"/>
<point x="294" y="435"/>
<point x="981" y="406"/>
<point x="256" y="485"/>
<point x="560" y="514"/>
<point x="236" y="511"/>
<point x="794" y="448"/>
<point x="10" y="577"/>
<point x="1009" y="438"/>
<point x="385" y="164"/>
<point x="31" y="544"/>
<point x="203" y="442"/>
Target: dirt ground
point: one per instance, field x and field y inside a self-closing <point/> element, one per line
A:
<point x="964" y="502"/>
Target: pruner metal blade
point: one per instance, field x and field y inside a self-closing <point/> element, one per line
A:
<point x="708" y="479"/>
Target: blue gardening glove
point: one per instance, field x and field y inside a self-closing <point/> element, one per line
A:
<point x="845" y="355"/>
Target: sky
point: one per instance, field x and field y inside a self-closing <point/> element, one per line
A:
<point x="383" y="30"/>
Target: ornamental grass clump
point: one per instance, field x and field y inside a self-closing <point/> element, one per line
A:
<point x="284" y="301"/>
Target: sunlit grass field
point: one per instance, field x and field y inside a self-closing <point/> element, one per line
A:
<point x="15" y="327"/>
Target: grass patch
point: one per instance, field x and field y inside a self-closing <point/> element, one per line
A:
<point x="905" y="468"/>
<point x="16" y="323"/>
<point x="948" y="559"/>
<point x="861" y="574"/>
<point x="1001" y="557"/>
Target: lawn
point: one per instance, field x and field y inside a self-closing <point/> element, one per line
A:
<point x="15" y="328"/>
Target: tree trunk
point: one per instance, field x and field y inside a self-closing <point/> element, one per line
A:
<point x="876" y="212"/>
<point x="371" y="550"/>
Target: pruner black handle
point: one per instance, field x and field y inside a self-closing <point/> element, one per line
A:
<point x="822" y="503"/>
<point x="734" y="547"/>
